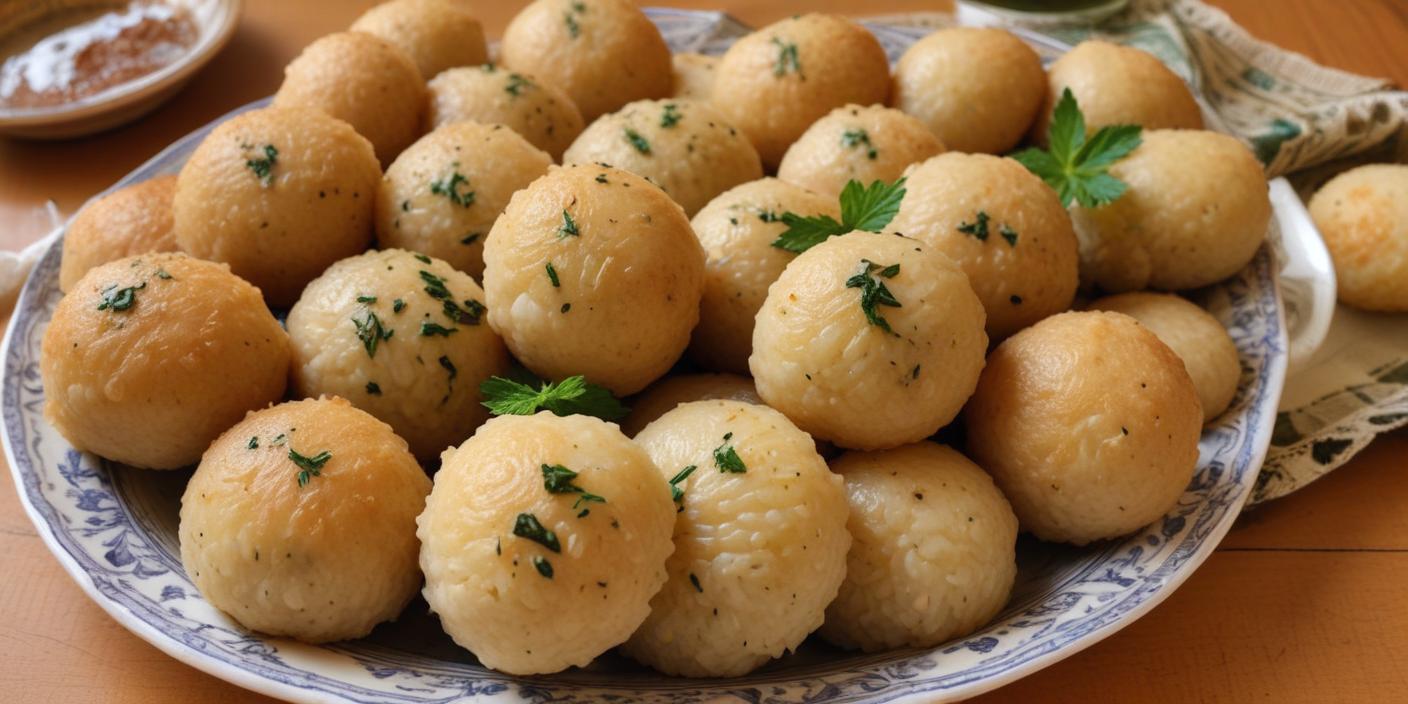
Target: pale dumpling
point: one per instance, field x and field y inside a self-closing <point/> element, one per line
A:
<point x="593" y="270"/>
<point x="684" y="147"/>
<point x="540" y="112"/>
<point x="135" y="371"/>
<point x="301" y="522"/>
<point x="737" y="230"/>
<point x="1363" y="216"/>
<point x="403" y="337"/>
<point x="855" y="143"/>
<point x="933" y="549"/>
<point x="662" y="396"/>
<point x="132" y="220"/>
<point x="544" y="540"/>
<point x="279" y="194"/>
<point x="436" y="34"/>
<point x="760" y="540"/>
<point x="694" y="75"/>
<point x="442" y="194"/>
<point x="869" y="341"/>
<point x="1118" y="85"/>
<point x="1088" y="423"/>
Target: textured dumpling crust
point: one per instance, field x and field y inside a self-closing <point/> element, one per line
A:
<point x="758" y="553"/>
<point x="1088" y="423"/>
<point x="694" y="75"/>
<point x="519" y="605"/>
<point x="1195" y="213"/>
<point x="149" y="358"/>
<point x="664" y="395"/>
<point x="818" y="359"/>
<point x="1016" y="244"/>
<point x="737" y="230"/>
<point x="978" y="89"/>
<point x="281" y="224"/>
<point x="774" y="83"/>
<point x="604" y="53"/>
<point x="1118" y="85"/>
<point x="435" y="34"/>
<point x="593" y="270"/>
<point x="320" y="548"/>
<point x="1194" y="335"/>
<point x="539" y="112"/>
<point x="933" y="549"/>
<point x="1363" y="216"/>
<point x="854" y="143"/>
<point x="684" y="147"/>
<point x="370" y="330"/>
<point x="132" y="220"/>
<point x="443" y="193"/>
<point x="363" y="80"/>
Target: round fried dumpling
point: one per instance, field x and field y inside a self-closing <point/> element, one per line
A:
<point x="544" y="540"/>
<point x="774" y="83"/>
<point x="683" y="147"/>
<point x="149" y="358"/>
<point x="541" y="113"/>
<point x="443" y="194"/>
<point x="737" y="230"/>
<point x="1363" y="216"/>
<point x="1005" y="228"/>
<point x="664" y="395"/>
<point x="933" y="550"/>
<point x="694" y="75"/>
<point x="435" y="34"/>
<point x="1088" y="423"/>
<point x="1195" y="213"/>
<point x="593" y="270"/>
<point x="978" y="89"/>
<point x="869" y="340"/>
<point x="279" y="194"/>
<point x="402" y="336"/>
<point x="135" y="219"/>
<point x="1118" y="85"/>
<point x="301" y="521"/>
<point x="604" y="53"/>
<point x="1198" y="339"/>
<point x="363" y="80"/>
<point x="854" y="143"/>
<point x="760" y="540"/>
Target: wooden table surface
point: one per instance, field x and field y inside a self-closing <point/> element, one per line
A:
<point x="1305" y="600"/>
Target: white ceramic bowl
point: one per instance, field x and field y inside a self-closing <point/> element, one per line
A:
<point x="114" y="530"/>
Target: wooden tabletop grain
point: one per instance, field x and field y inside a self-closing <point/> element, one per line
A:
<point x="1305" y="601"/>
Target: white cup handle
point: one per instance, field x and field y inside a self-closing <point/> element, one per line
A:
<point x="1307" y="276"/>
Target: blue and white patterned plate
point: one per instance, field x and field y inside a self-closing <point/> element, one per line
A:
<point x="114" y="530"/>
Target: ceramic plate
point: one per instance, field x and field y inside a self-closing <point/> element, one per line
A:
<point x="114" y="529"/>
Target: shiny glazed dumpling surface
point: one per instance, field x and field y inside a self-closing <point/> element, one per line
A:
<point x="1003" y="226"/>
<point x="132" y="220"/>
<point x="737" y="230"/>
<point x="760" y="542"/>
<point x="279" y="194"/>
<point x="521" y="567"/>
<point x="933" y="551"/>
<point x="443" y="194"/>
<point x="541" y="113"/>
<point x="593" y="270"/>
<point x="1088" y="423"/>
<point x="403" y="338"/>
<point x="684" y="147"/>
<point x="149" y="358"/>
<point x="300" y="522"/>
<point x="855" y="143"/>
<point x="1195" y="213"/>
<point x="845" y="365"/>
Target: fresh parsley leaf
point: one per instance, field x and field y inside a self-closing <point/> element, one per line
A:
<point x="869" y="208"/>
<point x="527" y="526"/>
<point x="1076" y="167"/>
<point x="573" y="395"/>
<point x="637" y="141"/>
<point x="371" y="332"/>
<point x="309" y="466"/>
<point x="449" y="186"/>
<point x="117" y="299"/>
<point x="557" y="479"/>
<point x="873" y="291"/>
<point x="726" y="457"/>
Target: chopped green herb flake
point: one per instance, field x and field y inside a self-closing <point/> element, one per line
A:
<point x="601" y="178"/>
<point x="565" y="307"/>
<point x="671" y="116"/>
<point x="726" y="457"/>
<point x="569" y="226"/>
<point x="516" y="84"/>
<point x="859" y="137"/>
<point x="869" y="208"/>
<point x="675" y="491"/>
<point x="573" y="395"/>
<point x="366" y="299"/>
<point x="253" y="443"/>
<point x="1008" y="234"/>
<point x="552" y="276"/>
<point x="695" y="581"/>
<point x="527" y="526"/>
<point x="449" y="186"/>
<point x="371" y="332"/>
<point x="423" y="259"/>
<point x="263" y="167"/>
<point x="787" y="59"/>
<point x="768" y="216"/>
<point x="429" y="329"/>
<point x="557" y="479"/>
<point x="398" y="305"/>
<point x="373" y="388"/>
<point x="119" y="299"/>
<point x="978" y="228"/>
<point x="874" y="292"/>
<point x="542" y="565"/>
<point x="637" y="141"/>
<point x="309" y="466"/>
<point x="163" y="275"/>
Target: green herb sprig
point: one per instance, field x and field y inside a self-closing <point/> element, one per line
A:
<point x="1076" y="167"/>
<point x="869" y="208"/>
<point x="726" y="457"/>
<point x="309" y="467"/>
<point x="571" y="396"/>
<point x="557" y="479"/>
<point x="873" y="291"/>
